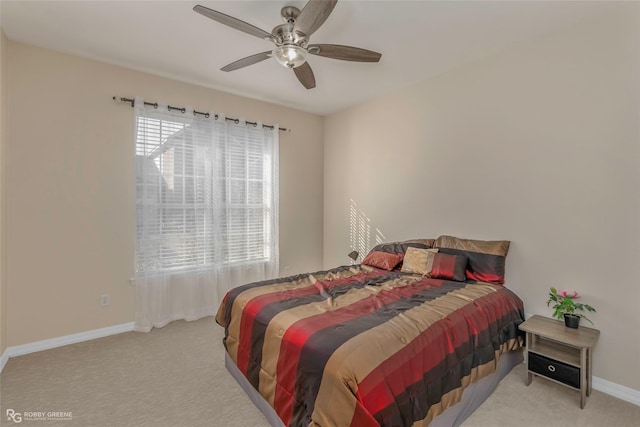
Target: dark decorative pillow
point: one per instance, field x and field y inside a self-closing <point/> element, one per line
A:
<point x="449" y="267"/>
<point x="486" y="259"/>
<point x="383" y="260"/>
<point x="401" y="247"/>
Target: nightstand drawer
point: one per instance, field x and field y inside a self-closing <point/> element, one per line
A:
<point x="566" y="374"/>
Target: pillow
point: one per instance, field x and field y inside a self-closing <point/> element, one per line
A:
<point x="401" y="247"/>
<point x="486" y="259"/>
<point x="418" y="261"/>
<point x="383" y="260"/>
<point x="414" y="242"/>
<point x="449" y="267"/>
<point x="430" y="263"/>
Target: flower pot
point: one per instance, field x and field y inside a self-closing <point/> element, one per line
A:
<point x="571" y="321"/>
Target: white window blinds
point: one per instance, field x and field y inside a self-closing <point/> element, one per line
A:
<point x="206" y="192"/>
<point x="244" y="170"/>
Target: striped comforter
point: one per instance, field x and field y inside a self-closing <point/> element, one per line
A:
<point x="358" y="346"/>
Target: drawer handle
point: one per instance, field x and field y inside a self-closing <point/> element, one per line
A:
<point x="551" y="368"/>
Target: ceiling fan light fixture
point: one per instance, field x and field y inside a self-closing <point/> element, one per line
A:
<point x="290" y="55"/>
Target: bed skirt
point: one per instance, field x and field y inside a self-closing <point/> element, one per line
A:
<point x="472" y="397"/>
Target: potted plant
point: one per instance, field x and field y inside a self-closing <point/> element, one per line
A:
<point x="564" y="306"/>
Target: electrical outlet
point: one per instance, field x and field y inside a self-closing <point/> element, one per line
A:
<point x="105" y="300"/>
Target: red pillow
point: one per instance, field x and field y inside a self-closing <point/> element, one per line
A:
<point x="449" y="267"/>
<point x="383" y="260"/>
<point x="486" y="259"/>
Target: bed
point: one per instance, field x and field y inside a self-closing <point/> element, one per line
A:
<point x="418" y="334"/>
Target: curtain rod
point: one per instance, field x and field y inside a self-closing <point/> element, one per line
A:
<point x="182" y="109"/>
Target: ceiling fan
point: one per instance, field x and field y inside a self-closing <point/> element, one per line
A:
<point x="291" y="39"/>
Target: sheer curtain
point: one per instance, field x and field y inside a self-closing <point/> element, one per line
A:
<point x="206" y="211"/>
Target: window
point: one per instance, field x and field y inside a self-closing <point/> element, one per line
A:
<point x="243" y="169"/>
<point x="206" y="193"/>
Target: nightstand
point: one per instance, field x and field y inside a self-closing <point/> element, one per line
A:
<point x="560" y="354"/>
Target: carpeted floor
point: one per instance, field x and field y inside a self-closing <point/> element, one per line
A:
<point x="175" y="376"/>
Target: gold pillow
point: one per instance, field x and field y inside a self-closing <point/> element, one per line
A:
<point x="418" y="261"/>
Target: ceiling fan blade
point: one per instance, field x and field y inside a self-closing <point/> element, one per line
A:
<point x="304" y="73"/>
<point x="313" y="15"/>
<point x="249" y="60"/>
<point x="345" y="53"/>
<point x="232" y="22"/>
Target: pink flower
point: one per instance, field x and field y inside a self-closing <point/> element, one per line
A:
<point x="573" y="294"/>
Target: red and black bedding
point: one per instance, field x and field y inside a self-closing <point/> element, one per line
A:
<point x="364" y="346"/>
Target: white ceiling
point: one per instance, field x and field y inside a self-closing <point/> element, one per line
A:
<point x="417" y="39"/>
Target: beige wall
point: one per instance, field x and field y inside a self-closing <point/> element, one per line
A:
<point x="70" y="187"/>
<point x="539" y="145"/>
<point x="3" y="204"/>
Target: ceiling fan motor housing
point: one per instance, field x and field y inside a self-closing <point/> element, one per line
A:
<point x="285" y="34"/>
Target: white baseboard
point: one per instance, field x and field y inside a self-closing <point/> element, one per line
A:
<point x="617" y="390"/>
<point x="33" y="347"/>
<point x="3" y="359"/>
